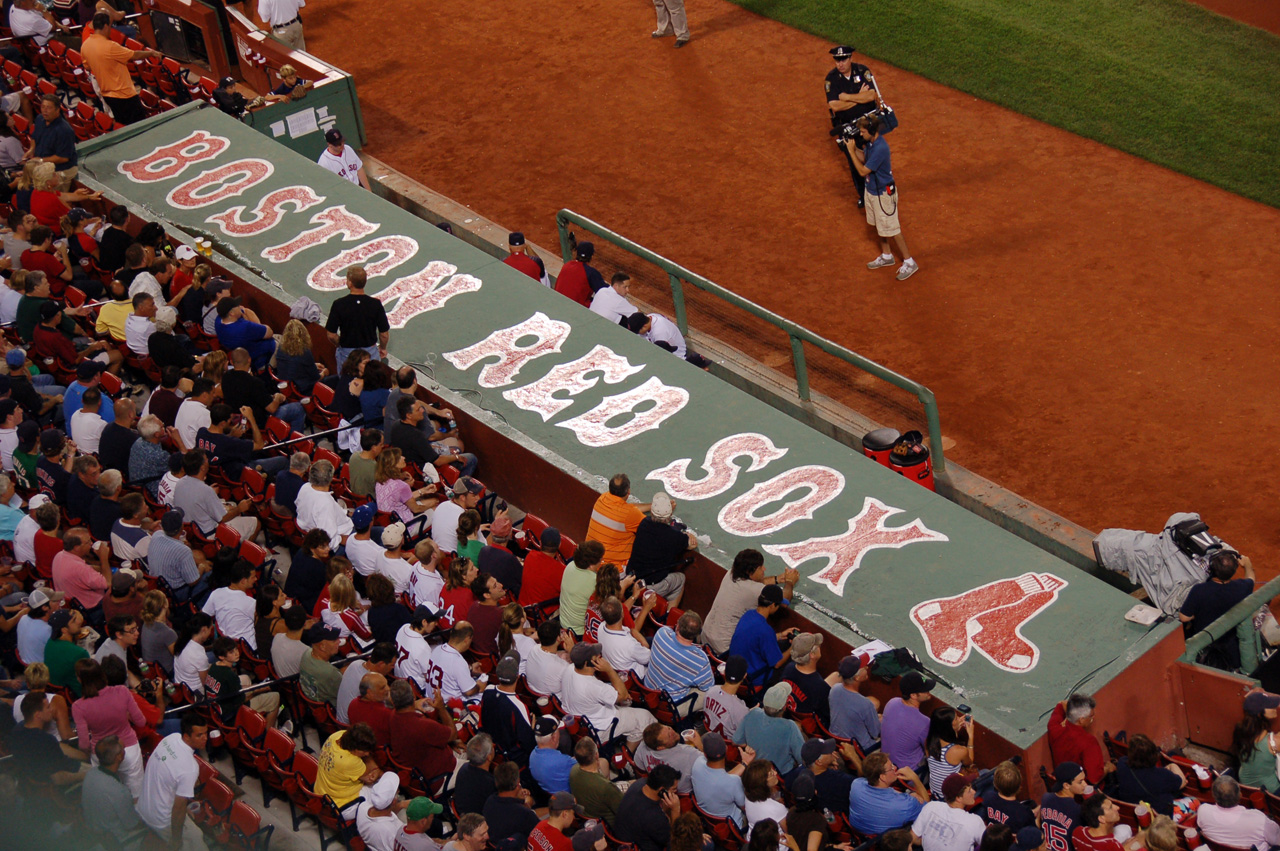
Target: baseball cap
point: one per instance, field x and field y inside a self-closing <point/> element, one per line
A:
<point x="803" y="787"/>
<point x="562" y="801"/>
<point x="802" y="645"/>
<point x="38" y="598"/>
<point x="420" y="808"/>
<point x="1066" y="772"/>
<point x="516" y="238"/>
<point x="713" y="747"/>
<point x="914" y="682"/>
<point x="850" y="665"/>
<point x="37" y="501"/>
<point x="425" y="613"/>
<point x="1255" y="703"/>
<point x="507" y="671"/>
<point x="841" y="51"/>
<point x="333" y="136"/>
<point x="776" y="697"/>
<point x="772" y="595"/>
<point x="586" y="839"/>
<point x="87" y="370"/>
<point x="393" y="535"/>
<point x="550" y="538"/>
<point x="184" y="252"/>
<point x="7" y="407"/>
<point x="228" y="304"/>
<point x="48" y="310"/>
<point x="121" y="583"/>
<point x="28" y="434"/>
<point x="216" y="285"/>
<point x="383" y="793"/>
<point x="171" y="522"/>
<point x="585" y="251"/>
<point x="319" y="632"/>
<point x="466" y="484"/>
<point x="1030" y="838"/>
<point x="58" y="621"/>
<point x="78" y="214"/>
<point x="362" y="517"/>
<point x="501" y="527"/>
<point x="953" y="787"/>
<point x="583" y="653"/>
<point x="52" y="440"/>
<point x="735" y="669"/>
<point x="661" y="507"/>
<point x="815" y="748"/>
<point x="545" y="725"/>
<point x="226" y="81"/>
<point x="15" y="357"/>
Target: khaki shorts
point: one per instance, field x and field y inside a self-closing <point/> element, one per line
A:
<point x="882" y="211"/>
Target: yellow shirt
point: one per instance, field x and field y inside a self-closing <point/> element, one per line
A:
<point x="108" y="62"/>
<point x="613" y="523"/>
<point x="340" y="772"/>
<point x="111" y="319"/>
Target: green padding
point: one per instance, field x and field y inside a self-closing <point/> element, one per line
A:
<point x="1081" y="635"/>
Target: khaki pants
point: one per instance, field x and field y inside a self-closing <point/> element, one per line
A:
<point x="291" y="35"/>
<point x="68" y="175"/>
<point x="671" y="15"/>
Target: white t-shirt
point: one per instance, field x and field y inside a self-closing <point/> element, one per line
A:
<point x="320" y="510"/>
<point x="761" y="810"/>
<point x="444" y="526"/>
<point x="137" y="330"/>
<point x="86" y="430"/>
<point x="664" y="330"/>
<point x="399" y="571"/>
<point x="286" y="654"/>
<point x="724" y="712"/>
<point x="1238" y="827"/>
<point x="364" y="554"/>
<point x="189" y="664"/>
<point x="171" y="773"/>
<point x="607" y="303"/>
<point x="233" y="610"/>
<point x="942" y="827"/>
<point x="593" y="699"/>
<point x="349" y="688"/>
<point x="8" y="443"/>
<point x="191" y="417"/>
<point x="413" y="657"/>
<point x="449" y="673"/>
<point x="25" y="22"/>
<point x="622" y="650"/>
<point x="145" y="282"/>
<point x="379" y="834"/>
<point x="346" y="165"/>
<point x="24" y="540"/>
<point x="9" y="298"/>
<point x="164" y="491"/>
<point x="425" y="586"/>
<point x="545" y="671"/>
<point x="526" y="647"/>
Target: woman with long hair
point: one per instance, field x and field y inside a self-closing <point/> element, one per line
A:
<point x="949" y="746"/>
<point x="374" y="393"/>
<point x="294" y="360"/>
<point x="79" y="244"/>
<point x="611" y="583"/>
<point x="392" y="487"/>
<point x="215" y="366"/>
<point x="158" y="636"/>
<point x="514" y="631"/>
<point x="687" y="834"/>
<point x="338" y="565"/>
<point x="469" y="529"/>
<point x="348" y="386"/>
<point x="456" y="598"/>
<point x="1253" y="748"/>
<point x="267" y="622"/>
<point x="344" y="612"/>
<point x="760" y="784"/>
<point x="766" y="835"/>
<point x="1140" y="779"/>
<point x="306" y="579"/>
<point x="104" y="710"/>
<point x="215" y="290"/>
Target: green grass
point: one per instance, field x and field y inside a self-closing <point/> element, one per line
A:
<point x="1166" y="80"/>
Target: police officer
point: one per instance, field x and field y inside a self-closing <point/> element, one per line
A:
<point x="850" y="96"/>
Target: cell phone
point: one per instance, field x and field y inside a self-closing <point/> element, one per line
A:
<point x="964" y="709"/>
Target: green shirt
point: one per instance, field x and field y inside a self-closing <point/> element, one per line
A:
<point x="470" y="550"/>
<point x="319" y="679"/>
<point x="24" y="468"/>
<point x="61" y="657"/>
<point x="363" y="473"/>
<point x="1259" y="770"/>
<point x="595" y="794"/>
<point x="576" y="587"/>
<point x="28" y="318"/>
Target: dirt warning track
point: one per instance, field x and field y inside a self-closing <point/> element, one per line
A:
<point x="1099" y="331"/>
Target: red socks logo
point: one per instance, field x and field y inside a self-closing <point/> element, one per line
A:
<point x="990" y="618"/>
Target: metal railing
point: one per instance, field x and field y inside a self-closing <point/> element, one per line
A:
<point x="1240" y="614"/>
<point x="797" y="334"/>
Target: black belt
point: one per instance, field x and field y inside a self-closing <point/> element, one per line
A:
<point x="296" y="20"/>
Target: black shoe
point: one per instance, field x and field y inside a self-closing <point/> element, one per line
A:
<point x="861" y="204"/>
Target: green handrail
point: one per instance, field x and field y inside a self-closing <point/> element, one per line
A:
<point x="798" y="334"/>
<point x="1232" y="618"/>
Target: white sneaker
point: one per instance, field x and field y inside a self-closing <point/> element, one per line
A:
<point x="881" y="261"/>
<point x="908" y="269"/>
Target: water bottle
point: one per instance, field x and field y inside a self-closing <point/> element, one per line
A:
<point x="453" y="424"/>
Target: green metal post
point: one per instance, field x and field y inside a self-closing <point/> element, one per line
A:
<point x="562" y="225"/>
<point x="802" y="369"/>
<point x="677" y="301"/>
<point x="925" y="395"/>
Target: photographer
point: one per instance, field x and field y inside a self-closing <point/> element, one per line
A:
<point x="850" y="96"/>
<point x="872" y="162"/>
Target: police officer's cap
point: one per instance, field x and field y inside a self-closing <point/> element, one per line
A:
<point x="841" y="51"/>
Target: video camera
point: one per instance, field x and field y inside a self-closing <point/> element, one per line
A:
<point x="853" y="130"/>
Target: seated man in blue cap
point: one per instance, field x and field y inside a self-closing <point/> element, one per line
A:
<point x="1059" y="811"/>
<point x="519" y="258"/>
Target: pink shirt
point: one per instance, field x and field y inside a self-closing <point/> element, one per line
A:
<point x="392" y="496"/>
<point x="74" y="577"/>
<point x="113" y="712"/>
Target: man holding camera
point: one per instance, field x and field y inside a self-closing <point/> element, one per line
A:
<point x="850" y="96"/>
<point x="872" y="162"/>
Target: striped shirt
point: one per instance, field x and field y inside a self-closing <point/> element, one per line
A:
<point x="171" y="560"/>
<point x="675" y="668"/>
<point x="613" y="523"/>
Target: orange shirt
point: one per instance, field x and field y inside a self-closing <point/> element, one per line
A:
<point x="107" y="60"/>
<point x="613" y="523"/>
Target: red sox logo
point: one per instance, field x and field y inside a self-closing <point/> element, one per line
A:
<point x="989" y="618"/>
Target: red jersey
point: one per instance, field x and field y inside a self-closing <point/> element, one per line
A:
<point x="1082" y="840"/>
<point x="542" y="575"/>
<point x="43" y="261"/>
<point x="572" y="282"/>
<point x="544" y="837"/>
<point x="1073" y="743"/>
<point x="376" y="715"/>
<point x="49" y="342"/>
<point x="456" y="603"/>
<point x="525" y="263"/>
<point x="48" y="208"/>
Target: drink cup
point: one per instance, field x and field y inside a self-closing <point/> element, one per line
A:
<point x="688" y="735"/>
<point x="1143" y="814"/>
<point x="1193" y="838"/>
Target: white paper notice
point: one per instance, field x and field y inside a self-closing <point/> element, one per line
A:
<point x="277" y="128"/>
<point x="302" y="123"/>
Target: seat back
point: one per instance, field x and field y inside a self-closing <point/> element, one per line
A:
<point x="723" y="830"/>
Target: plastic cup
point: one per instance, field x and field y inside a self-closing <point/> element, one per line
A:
<point x="688" y="735"/>
<point x="1143" y="814"/>
<point x="1193" y="838"/>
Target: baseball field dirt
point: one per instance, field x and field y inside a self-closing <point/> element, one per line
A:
<point x="1099" y="330"/>
<point x="1258" y="13"/>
